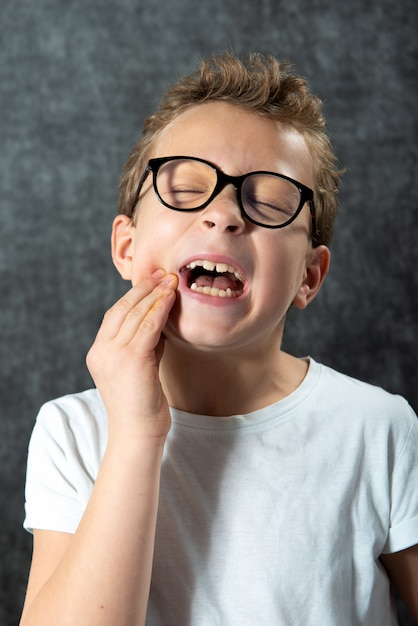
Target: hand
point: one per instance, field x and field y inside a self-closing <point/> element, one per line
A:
<point x="124" y="359"/>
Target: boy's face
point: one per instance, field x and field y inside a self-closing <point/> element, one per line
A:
<point x="272" y="268"/>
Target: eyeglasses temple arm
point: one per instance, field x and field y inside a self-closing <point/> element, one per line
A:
<point x="315" y="233"/>
<point x="138" y="189"/>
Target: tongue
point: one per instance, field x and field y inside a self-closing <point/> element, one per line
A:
<point x="224" y="282"/>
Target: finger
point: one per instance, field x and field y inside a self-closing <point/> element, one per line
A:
<point x="149" y="334"/>
<point x="116" y="315"/>
<point x="145" y="321"/>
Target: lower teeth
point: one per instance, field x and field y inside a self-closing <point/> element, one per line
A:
<point x="214" y="291"/>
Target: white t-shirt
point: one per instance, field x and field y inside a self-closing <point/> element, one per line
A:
<point x="277" y="517"/>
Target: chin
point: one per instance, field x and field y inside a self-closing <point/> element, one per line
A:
<point x="198" y="337"/>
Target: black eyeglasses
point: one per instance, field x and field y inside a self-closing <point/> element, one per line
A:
<point x="267" y="199"/>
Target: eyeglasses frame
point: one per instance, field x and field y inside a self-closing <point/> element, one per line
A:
<point x="222" y="179"/>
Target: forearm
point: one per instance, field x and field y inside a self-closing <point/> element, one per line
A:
<point x="402" y="569"/>
<point x="104" y="576"/>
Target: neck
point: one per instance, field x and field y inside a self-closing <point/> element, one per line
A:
<point x="207" y="383"/>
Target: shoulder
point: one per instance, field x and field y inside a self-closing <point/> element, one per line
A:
<point x="78" y="407"/>
<point x="359" y="409"/>
<point x="77" y="420"/>
<point x="359" y="397"/>
<point x="65" y="453"/>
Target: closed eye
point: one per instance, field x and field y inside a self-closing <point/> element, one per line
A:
<point x="187" y="190"/>
<point x="267" y="208"/>
<point x="185" y="197"/>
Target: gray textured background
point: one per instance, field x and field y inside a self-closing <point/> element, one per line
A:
<point x="76" y="80"/>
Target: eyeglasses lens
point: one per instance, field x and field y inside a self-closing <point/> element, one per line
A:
<point x="185" y="184"/>
<point x="269" y="199"/>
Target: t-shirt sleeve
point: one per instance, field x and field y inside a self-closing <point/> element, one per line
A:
<point x="63" y="459"/>
<point x="403" y="531"/>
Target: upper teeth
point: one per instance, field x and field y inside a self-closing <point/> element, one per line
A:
<point x="221" y="268"/>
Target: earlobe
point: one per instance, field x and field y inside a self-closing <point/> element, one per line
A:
<point x="316" y="270"/>
<point x="122" y="242"/>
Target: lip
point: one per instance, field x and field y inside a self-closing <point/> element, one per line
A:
<point x="183" y="274"/>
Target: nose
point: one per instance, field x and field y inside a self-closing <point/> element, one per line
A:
<point x="223" y="213"/>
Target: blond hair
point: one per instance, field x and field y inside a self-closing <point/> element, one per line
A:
<point x="259" y="84"/>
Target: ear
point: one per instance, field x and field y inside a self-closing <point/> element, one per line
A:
<point x="123" y="234"/>
<point x="316" y="269"/>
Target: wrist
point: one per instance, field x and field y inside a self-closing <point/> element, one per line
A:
<point x="136" y="440"/>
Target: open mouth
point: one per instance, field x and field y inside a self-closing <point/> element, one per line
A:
<point x="213" y="279"/>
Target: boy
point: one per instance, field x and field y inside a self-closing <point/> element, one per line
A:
<point x="273" y="490"/>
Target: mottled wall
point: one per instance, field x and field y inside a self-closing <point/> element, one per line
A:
<point x="77" y="78"/>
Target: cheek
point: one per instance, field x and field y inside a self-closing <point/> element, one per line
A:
<point x="154" y="240"/>
<point x="156" y="223"/>
<point x="281" y="266"/>
<point x="145" y="256"/>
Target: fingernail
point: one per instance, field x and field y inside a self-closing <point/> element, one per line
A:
<point x="159" y="273"/>
<point x="170" y="279"/>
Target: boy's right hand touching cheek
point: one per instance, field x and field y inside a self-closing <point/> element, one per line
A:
<point x="124" y="359"/>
